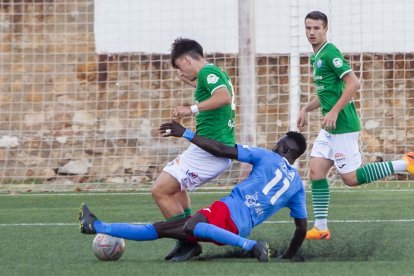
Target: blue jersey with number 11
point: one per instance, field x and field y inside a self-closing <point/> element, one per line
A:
<point x="272" y="184"/>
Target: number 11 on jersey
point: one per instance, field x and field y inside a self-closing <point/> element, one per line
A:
<point x="278" y="177"/>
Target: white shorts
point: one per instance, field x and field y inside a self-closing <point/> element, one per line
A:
<point x="343" y="149"/>
<point x="194" y="167"/>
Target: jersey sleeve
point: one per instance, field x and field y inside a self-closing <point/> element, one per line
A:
<point x="337" y="62"/>
<point x="212" y="79"/>
<point x="297" y="205"/>
<point x="251" y="155"/>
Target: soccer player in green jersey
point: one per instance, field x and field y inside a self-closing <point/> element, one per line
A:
<point x="214" y="109"/>
<point x="337" y="141"/>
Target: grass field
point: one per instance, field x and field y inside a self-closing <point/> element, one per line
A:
<point x="372" y="234"/>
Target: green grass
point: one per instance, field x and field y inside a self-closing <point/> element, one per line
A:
<point x="372" y="234"/>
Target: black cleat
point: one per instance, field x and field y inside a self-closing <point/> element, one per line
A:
<point x="86" y="220"/>
<point x="175" y="250"/>
<point x="186" y="251"/>
<point x="261" y="251"/>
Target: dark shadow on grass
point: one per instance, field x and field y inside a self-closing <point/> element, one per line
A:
<point x="363" y="246"/>
<point x="234" y="253"/>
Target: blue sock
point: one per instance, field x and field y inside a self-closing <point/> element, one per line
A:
<point x="136" y="232"/>
<point x="211" y="232"/>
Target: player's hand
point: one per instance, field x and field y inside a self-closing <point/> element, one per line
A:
<point x="301" y="122"/>
<point x="175" y="118"/>
<point x="329" y="121"/>
<point x="172" y="128"/>
<point x="182" y="111"/>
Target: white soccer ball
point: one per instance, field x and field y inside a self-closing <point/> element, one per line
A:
<point x="108" y="248"/>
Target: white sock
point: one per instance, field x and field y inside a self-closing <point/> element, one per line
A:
<point x="399" y="165"/>
<point x="321" y="224"/>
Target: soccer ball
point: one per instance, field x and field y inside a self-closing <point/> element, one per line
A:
<point x="108" y="248"/>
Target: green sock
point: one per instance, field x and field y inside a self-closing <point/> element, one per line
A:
<point x="320" y="198"/>
<point x="187" y="211"/>
<point x="180" y="216"/>
<point x="374" y="171"/>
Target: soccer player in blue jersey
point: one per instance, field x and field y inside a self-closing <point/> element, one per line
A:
<point x="272" y="185"/>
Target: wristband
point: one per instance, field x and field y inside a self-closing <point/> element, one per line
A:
<point x="194" y="108"/>
<point x="188" y="134"/>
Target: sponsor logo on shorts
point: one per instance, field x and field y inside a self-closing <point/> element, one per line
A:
<point x="340" y="160"/>
<point x="339" y="157"/>
<point x="251" y="202"/>
<point x="191" y="175"/>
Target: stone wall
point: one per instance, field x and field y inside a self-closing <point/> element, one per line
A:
<point x="72" y="118"/>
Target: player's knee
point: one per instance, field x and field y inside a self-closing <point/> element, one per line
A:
<point x="156" y="193"/>
<point x="315" y="174"/>
<point x="153" y="191"/>
<point x="189" y="226"/>
<point x="349" y="179"/>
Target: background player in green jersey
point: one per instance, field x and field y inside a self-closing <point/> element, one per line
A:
<point x="337" y="141"/>
<point x="214" y="109"/>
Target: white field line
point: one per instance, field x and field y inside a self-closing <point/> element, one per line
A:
<point x="198" y="192"/>
<point x="266" y="222"/>
<point x="224" y="191"/>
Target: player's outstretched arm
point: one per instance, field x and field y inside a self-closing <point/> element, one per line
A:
<point x="212" y="146"/>
<point x="310" y="106"/>
<point x="297" y="240"/>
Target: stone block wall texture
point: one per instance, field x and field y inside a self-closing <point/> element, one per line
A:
<point x="74" y="119"/>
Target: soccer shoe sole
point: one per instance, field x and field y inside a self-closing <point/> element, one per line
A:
<point x="175" y="250"/>
<point x="321" y="235"/>
<point x="261" y="251"/>
<point x="409" y="157"/>
<point x="86" y="220"/>
<point x="187" y="252"/>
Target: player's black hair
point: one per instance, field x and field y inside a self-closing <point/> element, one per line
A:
<point x="317" y="15"/>
<point x="300" y="141"/>
<point x="186" y="46"/>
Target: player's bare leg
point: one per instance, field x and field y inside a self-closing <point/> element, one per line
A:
<point x="183" y="198"/>
<point x="171" y="200"/>
<point x="164" y="192"/>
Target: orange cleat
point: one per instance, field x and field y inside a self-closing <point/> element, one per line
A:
<point x="316" y="234"/>
<point x="409" y="158"/>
